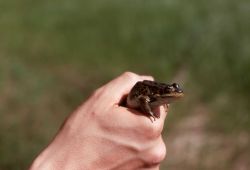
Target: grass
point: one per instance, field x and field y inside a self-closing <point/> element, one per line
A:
<point x="54" y="53"/>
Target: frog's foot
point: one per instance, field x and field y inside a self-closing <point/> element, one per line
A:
<point x="144" y="104"/>
<point x="166" y="106"/>
<point x="152" y="116"/>
<point x="152" y="119"/>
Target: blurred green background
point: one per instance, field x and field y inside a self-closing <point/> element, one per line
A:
<point x="53" y="54"/>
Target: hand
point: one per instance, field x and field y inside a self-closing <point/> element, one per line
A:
<point x="102" y="135"/>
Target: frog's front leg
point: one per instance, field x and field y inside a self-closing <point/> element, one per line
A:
<point x="144" y="104"/>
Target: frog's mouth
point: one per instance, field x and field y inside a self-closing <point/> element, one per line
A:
<point x="176" y="95"/>
<point x="172" y="97"/>
<point x="166" y="99"/>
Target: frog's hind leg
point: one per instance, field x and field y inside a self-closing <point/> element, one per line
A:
<point x="144" y="104"/>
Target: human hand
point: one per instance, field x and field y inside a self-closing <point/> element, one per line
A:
<point x="102" y="135"/>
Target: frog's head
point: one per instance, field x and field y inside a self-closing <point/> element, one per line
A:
<point x="173" y="92"/>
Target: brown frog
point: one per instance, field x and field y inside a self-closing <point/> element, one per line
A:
<point x="147" y="95"/>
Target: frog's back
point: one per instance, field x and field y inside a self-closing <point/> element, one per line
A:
<point x="154" y="87"/>
<point x="140" y="88"/>
<point x="144" y="88"/>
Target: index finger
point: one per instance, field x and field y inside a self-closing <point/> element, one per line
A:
<point x="140" y="121"/>
<point x="121" y="85"/>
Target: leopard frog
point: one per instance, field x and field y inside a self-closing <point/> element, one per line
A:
<point x="147" y="95"/>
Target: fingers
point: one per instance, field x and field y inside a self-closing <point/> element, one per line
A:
<point x="156" y="153"/>
<point x="155" y="128"/>
<point x="147" y="77"/>
<point x="139" y="121"/>
<point x="162" y="112"/>
<point x="123" y="84"/>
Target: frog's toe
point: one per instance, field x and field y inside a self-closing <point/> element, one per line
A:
<point x="152" y="118"/>
<point x="157" y="114"/>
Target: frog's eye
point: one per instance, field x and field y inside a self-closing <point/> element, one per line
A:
<point x="175" y="85"/>
<point x="170" y="88"/>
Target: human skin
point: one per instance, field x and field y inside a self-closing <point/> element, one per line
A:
<point x="102" y="135"/>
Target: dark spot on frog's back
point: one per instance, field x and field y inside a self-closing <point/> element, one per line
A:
<point x="143" y="90"/>
<point x="149" y="83"/>
<point x="139" y="88"/>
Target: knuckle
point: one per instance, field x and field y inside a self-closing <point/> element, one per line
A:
<point x="157" y="154"/>
<point x="152" y="131"/>
<point x="130" y="75"/>
<point x="97" y="93"/>
<point x="148" y="77"/>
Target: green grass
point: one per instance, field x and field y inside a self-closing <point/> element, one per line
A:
<point x="54" y="53"/>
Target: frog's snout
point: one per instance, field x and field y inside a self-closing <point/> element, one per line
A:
<point x="179" y="90"/>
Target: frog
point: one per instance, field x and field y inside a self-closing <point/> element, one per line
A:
<point x="147" y="95"/>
